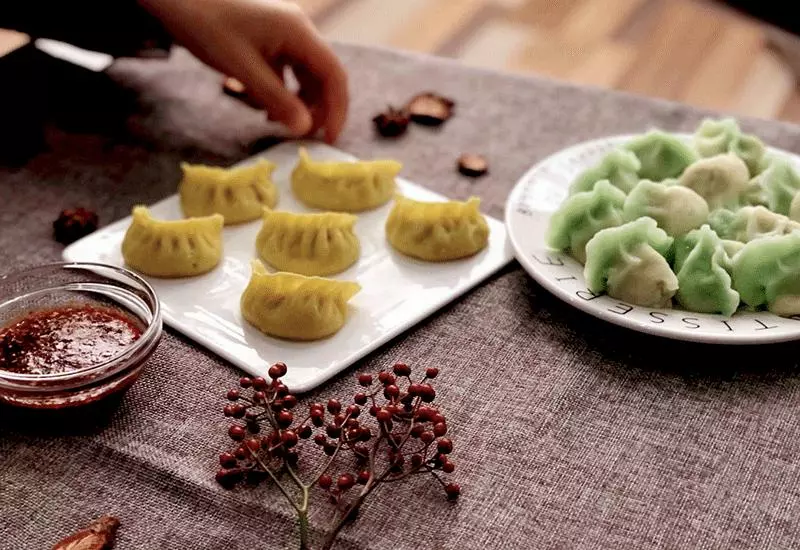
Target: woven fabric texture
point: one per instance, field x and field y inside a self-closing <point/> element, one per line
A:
<point x="569" y="433"/>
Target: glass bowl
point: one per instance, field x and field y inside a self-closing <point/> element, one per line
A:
<point x="57" y="286"/>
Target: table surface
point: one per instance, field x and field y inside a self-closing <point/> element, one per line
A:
<point x="569" y="433"/>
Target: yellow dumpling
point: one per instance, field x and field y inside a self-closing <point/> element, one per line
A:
<point x="238" y="193"/>
<point x="295" y="307"/>
<point x="309" y="244"/>
<point x="174" y="248"/>
<point x="344" y="186"/>
<point x="437" y="231"/>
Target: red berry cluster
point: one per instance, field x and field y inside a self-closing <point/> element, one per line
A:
<point x="391" y="429"/>
<point x="409" y="436"/>
<point x="270" y="402"/>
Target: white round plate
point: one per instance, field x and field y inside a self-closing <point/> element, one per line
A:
<point x="540" y="192"/>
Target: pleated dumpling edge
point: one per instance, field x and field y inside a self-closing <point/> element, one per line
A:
<point x="172" y="248"/>
<point x="308" y="243"/>
<point x="343" y="186"/>
<point x="239" y="193"/>
<point x="437" y="231"/>
<point x="295" y="307"/>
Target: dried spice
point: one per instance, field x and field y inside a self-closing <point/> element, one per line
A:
<point x="234" y="88"/>
<point x="430" y="109"/>
<point x="391" y="431"/>
<point x="99" y="535"/>
<point x="73" y="224"/>
<point x="391" y="123"/>
<point x="472" y="165"/>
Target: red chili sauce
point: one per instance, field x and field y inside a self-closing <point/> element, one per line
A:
<point x="65" y="339"/>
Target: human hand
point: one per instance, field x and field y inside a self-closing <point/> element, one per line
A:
<point x="254" y="41"/>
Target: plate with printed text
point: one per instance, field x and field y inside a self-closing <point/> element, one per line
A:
<point x="529" y="208"/>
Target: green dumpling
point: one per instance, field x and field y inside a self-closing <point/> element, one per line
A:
<point x="750" y="223"/>
<point x="662" y="155"/>
<point x="794" y="208"/>
<point x="713" y="137"/>
<point x="676" y="209"/>
<point x="723" y="180"/>
<point x="582" y="215"/>
<point x="767" y="273"/>
<point x="619" y="167"/>
<point x="751" y="150"/>
<point x="718" y="136"/>
<point x="702" y="266"/>
<point x="732" y="248"/>
<point x="629" y="263"/>
<point x="780" y="182"/>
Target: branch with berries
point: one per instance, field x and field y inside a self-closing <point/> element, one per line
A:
<point x="401" y="435"/>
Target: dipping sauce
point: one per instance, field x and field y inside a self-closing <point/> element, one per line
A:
<point x="65" y="339"/>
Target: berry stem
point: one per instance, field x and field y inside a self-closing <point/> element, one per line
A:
<point x="302" y="519"/>
<point x="404" y="475"/>
<point x="435" y="475"/>
<point x="340" y="519"/>
<point x="372" y="454"/>
<point x="302" y="486"/>
<point x="271" y="417"/>
<point x="327" y="465"/>
<point x="275" y="479"/>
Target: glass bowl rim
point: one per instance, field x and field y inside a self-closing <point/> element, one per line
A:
<point x="151" y="333"/>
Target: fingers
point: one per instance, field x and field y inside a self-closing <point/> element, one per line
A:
<point x="267" y="88"/>
<point x="313" y="56"/>
<point x="311" y="94"/>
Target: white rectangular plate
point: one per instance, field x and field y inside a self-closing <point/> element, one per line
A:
<point x="397" y="292"/>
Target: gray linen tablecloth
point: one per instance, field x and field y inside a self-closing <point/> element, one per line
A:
<point x="569" y="433"/>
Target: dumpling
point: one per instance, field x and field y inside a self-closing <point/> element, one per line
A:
<point x="239" y="193"/>
<point x="732" y="247"/>
<point x="716" y="137"/>
<point x="437" y="231"/>
<point x="794" y="208"/>
<point x="676" y="209"/>
<point x="629" y="263"/>
<point x="780" y="183"/>
<point x="295" y="307"/>
<point x="713" y="137"/>
<point x="619" y="167"/>
<point x="344" y="186"/>
<point x="309" y="244"/>
<point x="702" y="266"/>
<point x="662" y="155"/>
<point x="174" y="248"/>
<point x="723" y="180"/>
<point x="750" y="223"/>
<point x="767" y="273"/>
<point x="751" y="150"/>
<point x="582" y="215"/>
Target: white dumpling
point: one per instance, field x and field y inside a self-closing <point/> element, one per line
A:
<point x="794" y="208"/>
<point x="676" y="209"/>
<point x="722" y="180"/>
<point x="750" y="223"/>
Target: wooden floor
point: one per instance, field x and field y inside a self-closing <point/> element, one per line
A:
<point x="694" y="51"/>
